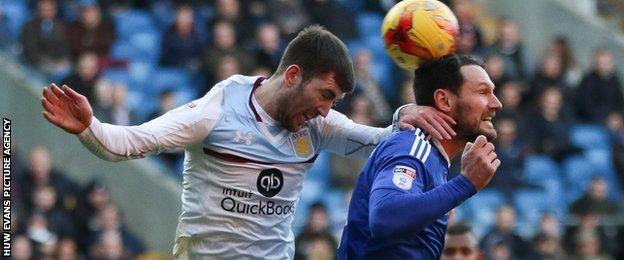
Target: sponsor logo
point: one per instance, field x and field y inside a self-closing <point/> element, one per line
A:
<point x="246" y="138"/>
<point x="270" y="182"/>
<point x="403" y="177"/>
<point x="302" y="143"/>
<point x="191" y="105"/>
<point x="234" y="202"/>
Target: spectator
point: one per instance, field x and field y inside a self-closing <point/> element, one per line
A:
<point x="615" y="124"/>
<point x="224" y="44"/>
<point x="44" y="40"/>
<point x="502" y="237"/>
<point x="94" y="198"/>
<point x="108" y="235"/>
<point x="231" y="11"/>
<point x="496" y="68"/>
<point x="587" y="246"/>
<point x="166" y="102"/>
<point x="85" y="76"/>
<point x="91" y="32"/>
<point x="289" y="15"/>
<point x="21" y="248"/>
<point x="103" y="100"/>
<point x="316" y="240"/>
<point x="510" y="94"/>
<point x="576" y="237"/>
<point x="370" y="88"/>
<point x="121" y="114"/>
<point x="595" y="200"/>
<point x="470" y="40"/>
<point x="270" y="46"/>
<point x="509" y="47"/>
<point x="109" y="246"/>
<point x="460" y="243"/>
<point x="547" y="242"/>
<point x="549" y="74"/>
<point x="571" y="71"/>
<point x="334" y="16"/>
<point x="38" y="230"/>
<point x="67" y="249"/>
<point x="407" y="92"/>
<point x="58" y="221"/>
<point x="509" y="148"/>
<point x="181" y="46"/>
<point x="600" y="91"/>
<point x="549" y="129"/>
<point x="40" y="174"/>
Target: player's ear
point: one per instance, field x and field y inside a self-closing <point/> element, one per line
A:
<point x="444" y="100"/>
<point x="292" y="76"/>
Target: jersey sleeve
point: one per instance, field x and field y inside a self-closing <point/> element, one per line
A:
<point x="342" y="136"/>
<point x="399" y="203"/>
<point x="178" y="128"/>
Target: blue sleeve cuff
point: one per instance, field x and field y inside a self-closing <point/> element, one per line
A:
<point x="462" y="187"/>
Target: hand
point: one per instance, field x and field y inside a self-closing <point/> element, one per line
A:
<point x="479" y="162"/>
<point x="431" y="120"/>
<point x="66" y="108"/>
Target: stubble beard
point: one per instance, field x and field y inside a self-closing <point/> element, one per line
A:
<point x="468" y="131"/>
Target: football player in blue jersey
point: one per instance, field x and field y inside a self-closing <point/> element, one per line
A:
<point x="399" y="207"/>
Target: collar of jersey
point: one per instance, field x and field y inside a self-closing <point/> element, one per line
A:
<point x="441" y="149"/>
<point x="266" y="118"/>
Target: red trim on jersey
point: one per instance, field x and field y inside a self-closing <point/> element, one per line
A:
<point x="253" y="109"/>
<point x="237" y="159"/>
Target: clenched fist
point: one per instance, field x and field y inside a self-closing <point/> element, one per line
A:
<point x="479" y="162"/>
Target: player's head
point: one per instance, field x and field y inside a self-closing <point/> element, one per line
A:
<point x="316" y="71"/>
<point x="460" y="243"/>
<point x="459" y="86"/>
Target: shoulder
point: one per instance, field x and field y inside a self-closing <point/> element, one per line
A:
<point x="408" y="143"/>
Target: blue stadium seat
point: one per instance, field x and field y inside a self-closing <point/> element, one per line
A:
<point x="540" y="167"/>
<point x="131" y="22"/>
<point x="482" y="209"/>
<point x="590" y="136"/>
<point x="16" y="13"/>
<point x="530" y="205"/>
<point x="578" y="172"/>
<point x="369" y="23"/>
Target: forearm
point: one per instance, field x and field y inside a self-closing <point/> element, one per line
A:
<point x="393" y="214"/>
<point x="117" y="143"/>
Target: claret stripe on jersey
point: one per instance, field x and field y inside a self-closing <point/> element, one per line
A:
<point x="238" y="159"/>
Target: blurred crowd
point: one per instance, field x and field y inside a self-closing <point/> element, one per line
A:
<point x="561" y="132"/>
<point x="55" y="218"/>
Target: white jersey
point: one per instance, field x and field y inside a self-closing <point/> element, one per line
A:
<point x="243" y="172"/>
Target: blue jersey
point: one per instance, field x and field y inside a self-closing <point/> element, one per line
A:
<point x="399" y="207"/>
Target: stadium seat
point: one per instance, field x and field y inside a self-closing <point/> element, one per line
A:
<point x="530" y="205"/>
<point x="590" y="137"/>
<point x="369" y="24"/>
<point x="482" y="209"/>
<point x="16" y="13"/>
<point x="578" y="172"/>
<point x="540" y="167"/>
<point x="131" y="22"/>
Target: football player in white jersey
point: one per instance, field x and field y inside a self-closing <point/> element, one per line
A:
<point x="248" y="144"/>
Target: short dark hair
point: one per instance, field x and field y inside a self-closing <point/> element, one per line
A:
<point x="317" y="51"/>
<point x="442" y="73"/>
<point x="458" y="229"/>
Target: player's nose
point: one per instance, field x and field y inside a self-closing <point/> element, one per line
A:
<point x="323" y="109"/>
<point x="495" y="104"/>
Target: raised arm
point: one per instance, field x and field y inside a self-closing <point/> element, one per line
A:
<point x="181" y="127"/>
<point x="345" y="137"/>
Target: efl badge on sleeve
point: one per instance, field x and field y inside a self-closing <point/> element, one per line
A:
<point x="403" y="176"/>
<point x="302" y="143"/>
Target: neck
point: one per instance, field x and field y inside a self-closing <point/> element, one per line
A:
<point x="452" y="147"/>
<point x="266" y="95"/>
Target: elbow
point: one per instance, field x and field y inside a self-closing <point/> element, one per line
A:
<point x="380" y="226"/>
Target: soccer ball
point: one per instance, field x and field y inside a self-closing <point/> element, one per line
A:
<point x="417" y="30"/>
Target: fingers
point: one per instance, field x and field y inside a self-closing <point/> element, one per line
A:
<point x="446" y="125"/>
<point x="480" y="141"/>
<point x="50" y="117"/>
<point x="49" y="95"/>
<point x="72" y="93"/>
<point x="408" y="127"/>
<point x="445" y="117"/>
<point x="496" y="163"/>
<point x="47" y="106"/>
<point x="58" y="92"/>
<point x="439" y="128"/>
<point x="430" y="129"/>
<point x="491" y="157"/>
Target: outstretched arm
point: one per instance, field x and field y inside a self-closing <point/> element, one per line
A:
<point x="180" y="127"/>
<point x="433" y="121"/>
